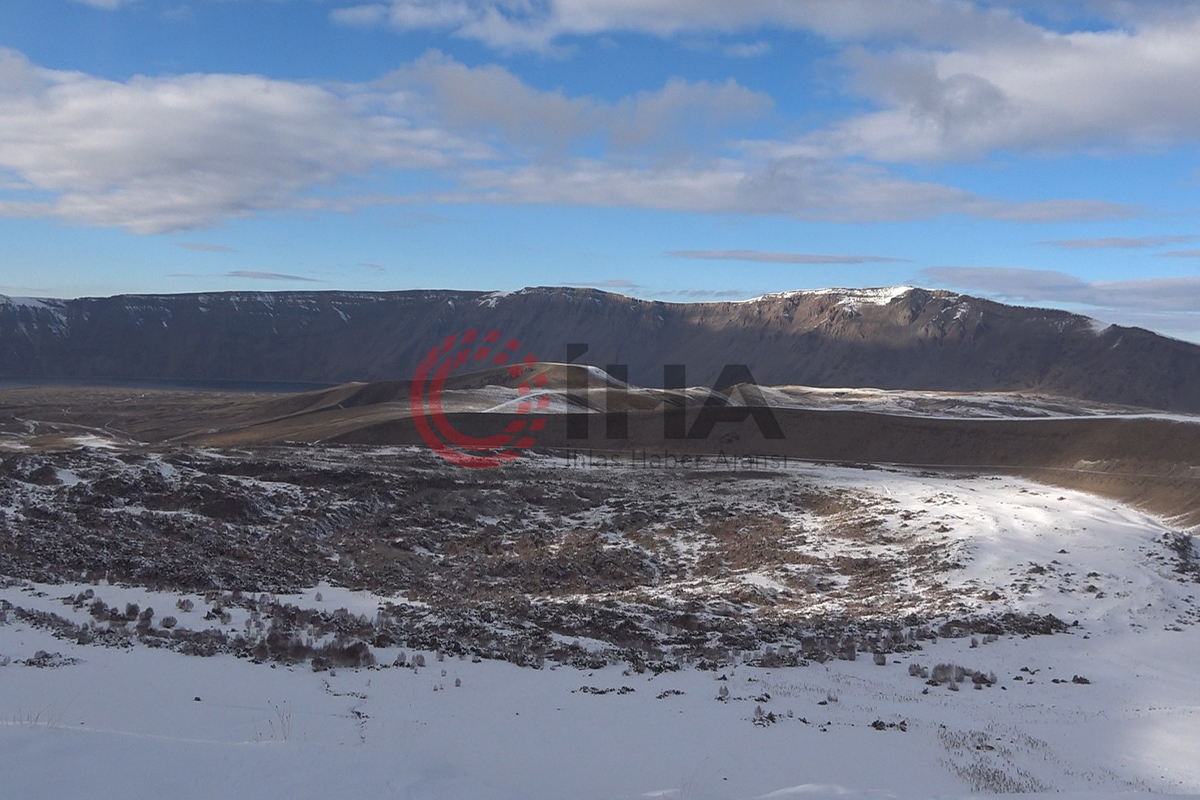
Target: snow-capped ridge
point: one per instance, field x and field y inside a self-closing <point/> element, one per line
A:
<point x="28" y="302"/>
<point x="878" y="295"/>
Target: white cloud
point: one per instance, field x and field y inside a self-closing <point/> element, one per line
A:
<point x="107" y="5"/>
<point x="365" y="15"/>
<point x="522" y="24"/>
<point x="1116" y="88"/>
<point x="590" y="182"/>
<point x="164" y="154"/>
<point x="951" y="79"/>
<point x="153" y="155"/>
<point x="161" y="154"/>
<point x="813" y="189"/>
<point x="491" y="98"/>
<point x="747" y="49"/>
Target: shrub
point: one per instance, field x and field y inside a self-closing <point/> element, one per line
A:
<point x="169" y="622"/>
<point x="337" y="654"/>
<point x="954" y="674"/>
<point x="943" y="673"/>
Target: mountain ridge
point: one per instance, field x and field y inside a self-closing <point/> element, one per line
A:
<point x="887" y="338"/>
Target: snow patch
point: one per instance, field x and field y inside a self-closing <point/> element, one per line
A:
<point x="879" y="296"/>
<point x="27" y="302"/>
<point x="490" y="300"/>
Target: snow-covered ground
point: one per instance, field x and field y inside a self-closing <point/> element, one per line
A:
<point x="149" y="723"/>
<point x="1110" y="706"/>
<point x="953" y="405"/>
<point x="905" y="402"/>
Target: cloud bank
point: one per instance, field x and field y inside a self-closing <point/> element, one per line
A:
<point x="931" y="81"/>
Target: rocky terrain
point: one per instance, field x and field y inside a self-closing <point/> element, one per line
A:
<point x="1146" y="459"/>
<point x="560" y="559"/>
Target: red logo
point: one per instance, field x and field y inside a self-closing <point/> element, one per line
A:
<point x="425" y="400"/>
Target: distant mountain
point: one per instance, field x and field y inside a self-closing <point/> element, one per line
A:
<point x="898" y="338"/>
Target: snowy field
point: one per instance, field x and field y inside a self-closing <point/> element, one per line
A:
<point x="156" y="724"/>
<point x="1110" y="706"/>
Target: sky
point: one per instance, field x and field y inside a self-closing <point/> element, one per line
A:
<point x="1041" y="153"/>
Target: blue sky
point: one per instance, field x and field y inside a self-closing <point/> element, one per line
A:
<point x="1035" y="152"/>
